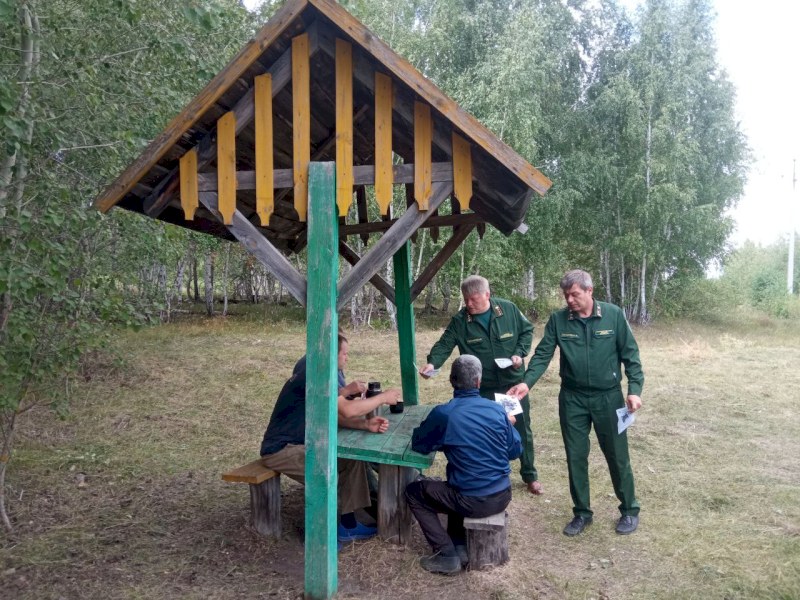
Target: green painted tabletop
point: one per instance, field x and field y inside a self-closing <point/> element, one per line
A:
<point x="392" y="447"/>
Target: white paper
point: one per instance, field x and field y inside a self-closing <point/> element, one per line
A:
<point x="624" y="419"/>
<point x="509" y="403"/>
<point x="431" y="373"/>
<point x="503" y="363"/>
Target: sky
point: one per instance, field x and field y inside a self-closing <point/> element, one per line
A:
<point x="758" y="45"/>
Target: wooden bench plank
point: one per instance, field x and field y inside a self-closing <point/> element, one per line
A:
<point x="253" y="472"/>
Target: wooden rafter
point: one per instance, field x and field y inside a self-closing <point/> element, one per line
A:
<point x="459" y="235"/>
<point x="390" y="242"/>
<point x="255" y="243"/>
<point x="301" y="123"/>
<point x="379" y="282"/>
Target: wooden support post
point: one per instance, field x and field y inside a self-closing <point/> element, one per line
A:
<point x="301" y="123"/>
<point x="265" y="192"/>
<point x="394" y="521"/>
<point x="265" y="507"/>
<point x="487" y="541"/>
<point x="344" y="126"/>
<point x="321" y="385"/>
<point x="405" y="324"/>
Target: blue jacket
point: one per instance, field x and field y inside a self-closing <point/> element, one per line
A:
<point x="477" y="438"/>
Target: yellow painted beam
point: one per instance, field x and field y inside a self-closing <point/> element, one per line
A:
<point x="188" y="175"/>
<point x="423" y="138"/>
<point x="226" y="166"/>
<point x="462" y="170"/>
<point x="301" y="124"/>
<point x="344" y="126"/>
<point x="383" y="142"/>
<point x="265" y="193"/>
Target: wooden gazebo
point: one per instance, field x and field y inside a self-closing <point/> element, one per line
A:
<point x="274" y="150"/>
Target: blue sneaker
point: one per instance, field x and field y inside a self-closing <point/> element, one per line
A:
<point x="359" y="532"/>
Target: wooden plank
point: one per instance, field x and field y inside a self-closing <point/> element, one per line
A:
<point x="321" y="385"/>
<point x="265" y="192"/>
<point x="188" y="170"/>
<point x="389" y="243"/>
<point x="379" y="282"/>
<point x="362" y="175"/>
<point x="423" y="137"/>
<point x="281" y="72"/>
<point x="405" y="325"/>
<point x="226" y="166"/>
<point x="344" y="126"/>
<point x="456" y="220"/>
<point x="383" y="142"/>
<point x="427" y="90"/>
<point x="462" y="170"/>
<point x="255" y="243"/>
<point x="253" y="472"/>
<point x="202" y="102"/>
<point x="301" y="122"/>
<point x="460" y="233"/>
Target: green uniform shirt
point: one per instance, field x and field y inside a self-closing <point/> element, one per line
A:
<point x="591" y="353"/>
<point x="510" y="334"/>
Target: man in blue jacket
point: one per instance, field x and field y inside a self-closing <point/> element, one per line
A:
<point x="478" y="439"/>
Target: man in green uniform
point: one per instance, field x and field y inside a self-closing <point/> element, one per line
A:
<point x="492" y="328"/>
<point x="594" y="339"/>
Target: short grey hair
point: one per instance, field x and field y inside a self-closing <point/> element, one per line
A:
<point x="466" y="372"/>
<point x="474" y="284"/>
<point x="582" y="278"/>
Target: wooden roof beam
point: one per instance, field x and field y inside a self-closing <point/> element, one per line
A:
<point x="379" y="282"/>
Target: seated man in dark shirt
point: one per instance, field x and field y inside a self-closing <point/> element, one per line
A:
<point x="283" y="447"/>
<point x="478" y="439"/>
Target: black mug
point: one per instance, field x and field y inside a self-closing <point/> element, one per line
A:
<point x="397" y="408"/>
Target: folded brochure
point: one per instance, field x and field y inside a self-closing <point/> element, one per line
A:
<point x="624" y="419"/>
<point x="509" y="403"/>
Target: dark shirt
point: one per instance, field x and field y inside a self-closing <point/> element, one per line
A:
<point x="287" y="425"/>
<point x="477" y="438"/>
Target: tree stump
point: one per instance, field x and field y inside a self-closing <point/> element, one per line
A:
<point x="487" y="541"/>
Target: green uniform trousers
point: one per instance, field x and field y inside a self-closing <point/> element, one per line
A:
<point x="578" y="411"/>
<point x="527" y="469"/>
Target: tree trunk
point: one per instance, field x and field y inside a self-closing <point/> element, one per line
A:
<point x="208" y="282"/>
<point x="391" y="309"/>
<point x="225" y="281"/>
<point x="444" y="286"/>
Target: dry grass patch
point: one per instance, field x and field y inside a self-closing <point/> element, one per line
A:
<point x="124" y="498"/>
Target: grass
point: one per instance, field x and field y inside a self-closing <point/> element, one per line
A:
<point x="714" y="452"/>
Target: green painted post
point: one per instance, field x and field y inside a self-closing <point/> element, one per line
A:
<point x="321" y="383"/>
<point x="405" y="324"/>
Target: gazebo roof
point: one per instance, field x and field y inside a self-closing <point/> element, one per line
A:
<point x="502" y="181"/>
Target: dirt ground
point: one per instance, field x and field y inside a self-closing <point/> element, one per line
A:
<point x="123" y="499"/>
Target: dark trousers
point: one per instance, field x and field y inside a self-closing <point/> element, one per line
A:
<point x="527" y="468"/>
<point x="427" y="499"/>
<point x="578" y="411"/>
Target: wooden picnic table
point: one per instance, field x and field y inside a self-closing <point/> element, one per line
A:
<point x="399" y="465"/>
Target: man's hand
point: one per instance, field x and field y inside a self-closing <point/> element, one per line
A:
<point x="634" y="402"/>
<point x="354" y="388"/>
<point x="425" y="370"/>
<point x="516" y="361"/>
<point x="377" y="424"/>
<point x="513" y="419"/>
<point x="390" y="396"/>
<point x="518" y="391"/>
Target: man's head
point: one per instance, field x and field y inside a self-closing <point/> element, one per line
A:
<point x="577" y="288"/>
<point x="465" y="374"/>
<point x="475" y="290"/>
<point x="344" y="347"/>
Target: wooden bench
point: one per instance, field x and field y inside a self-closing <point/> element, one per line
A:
<point x="265" y="496"/>
<point x="487" y="541"/>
